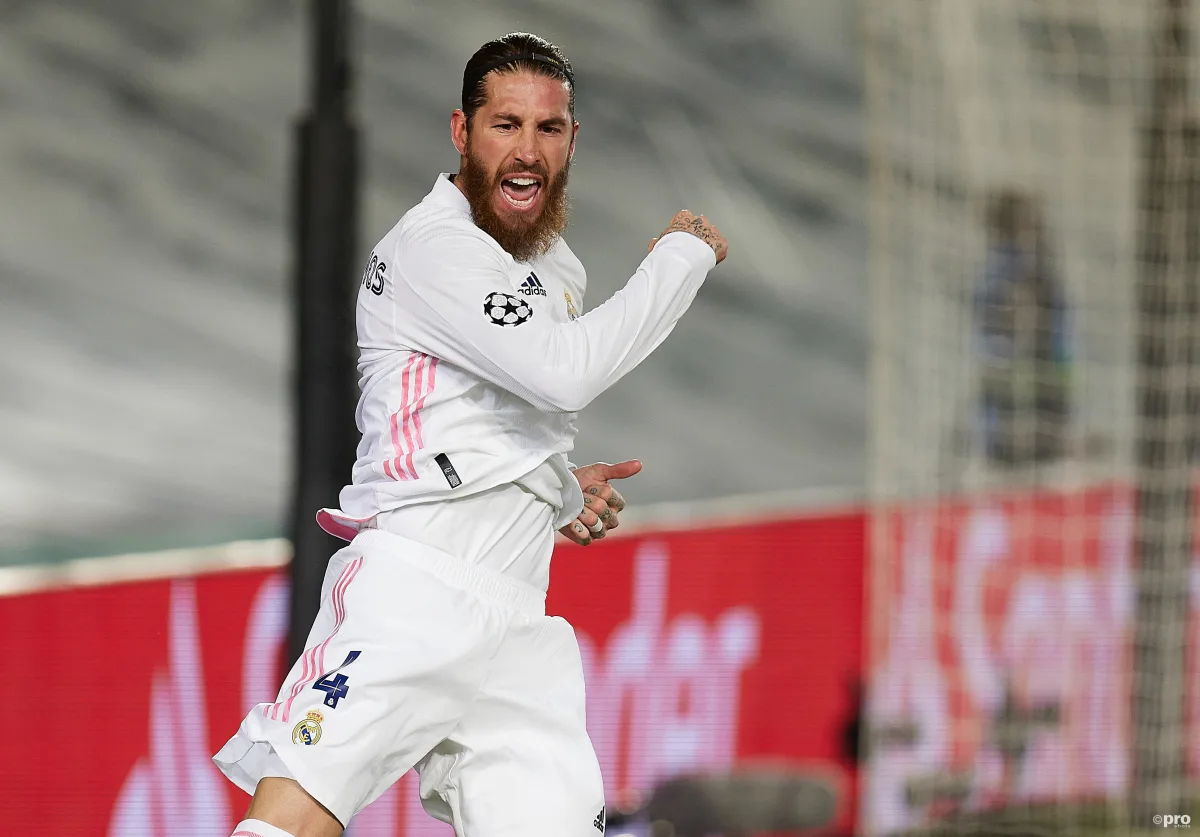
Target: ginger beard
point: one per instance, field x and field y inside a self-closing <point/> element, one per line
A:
<point x="523" y="238"/>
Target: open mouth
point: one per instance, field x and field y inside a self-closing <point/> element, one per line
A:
<point x="520" y="191"/>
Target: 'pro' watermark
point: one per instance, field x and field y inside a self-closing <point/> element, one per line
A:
<point x="1173" y="820"/>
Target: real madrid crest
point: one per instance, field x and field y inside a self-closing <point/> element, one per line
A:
<point x="572" y="313"/>
<point x="308" y="731"/>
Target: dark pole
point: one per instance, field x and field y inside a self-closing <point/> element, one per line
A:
<point x="325" y="231"/>
<point x="1166" y="355"/>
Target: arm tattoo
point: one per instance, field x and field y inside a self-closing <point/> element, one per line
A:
<point x="697" y="227"/>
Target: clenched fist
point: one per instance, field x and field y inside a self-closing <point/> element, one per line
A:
<point x="699" y="226"/>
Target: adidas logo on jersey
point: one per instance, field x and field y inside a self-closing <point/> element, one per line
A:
<point x="532" y="286"/>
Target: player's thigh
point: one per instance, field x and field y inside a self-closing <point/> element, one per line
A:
<point x="521" y="762"/>
<point x="392" y="662"/>
<point x="516" y="783"/>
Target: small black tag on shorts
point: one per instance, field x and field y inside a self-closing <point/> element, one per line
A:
<point x="448" y="471"/>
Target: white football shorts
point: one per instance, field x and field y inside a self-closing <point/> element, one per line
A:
<point x="420" y="659"/>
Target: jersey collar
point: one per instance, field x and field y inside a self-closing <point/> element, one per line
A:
<point x="447" y="194"/>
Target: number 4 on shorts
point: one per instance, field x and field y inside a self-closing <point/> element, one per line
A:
<point x="333" y="684"/>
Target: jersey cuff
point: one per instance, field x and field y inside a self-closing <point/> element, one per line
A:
<point x="694" y="249"/>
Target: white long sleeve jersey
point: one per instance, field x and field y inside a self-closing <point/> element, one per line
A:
<point x="473" y="366"/>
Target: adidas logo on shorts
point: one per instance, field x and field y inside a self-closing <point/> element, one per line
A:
<point x="599" y="821"/>
<point x="532" y="286"/>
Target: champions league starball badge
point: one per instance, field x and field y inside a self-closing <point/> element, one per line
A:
<point x="308" y="731"/>
<point x="506" y="310"/>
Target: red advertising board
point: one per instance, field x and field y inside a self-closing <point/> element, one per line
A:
<point x="701" y="649"/>
<point x="1001" y="655"/>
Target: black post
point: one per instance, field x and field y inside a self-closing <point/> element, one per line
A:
<point x="326" y="241"/>
<point x="1166" y="352"/>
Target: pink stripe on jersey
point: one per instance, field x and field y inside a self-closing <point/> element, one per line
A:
<point x="339" y="609"/>
<point x="244" y="833"/>
<point x="416" y="416"/>
<point x="397" y="473"/>
<point x="410" y="396"/>
<point x="416" y="383"/>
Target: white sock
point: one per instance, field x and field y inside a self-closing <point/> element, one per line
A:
<point x="258" y="828"/>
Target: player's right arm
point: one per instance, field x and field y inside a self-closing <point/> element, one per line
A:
<point x="445" y="274"/>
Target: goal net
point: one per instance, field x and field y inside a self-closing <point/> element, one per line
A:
<point x="1034" y="216"/>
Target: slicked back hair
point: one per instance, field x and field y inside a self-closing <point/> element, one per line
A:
<point x="514" y="52"/>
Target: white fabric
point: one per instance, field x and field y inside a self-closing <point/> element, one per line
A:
<point x="438" y="376"/>
<point x="507" y="529"/>
<point x="459" y="673"/>
<point x="258" y="828"/>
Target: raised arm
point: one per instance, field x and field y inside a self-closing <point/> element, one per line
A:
<point x="448" y="282"/>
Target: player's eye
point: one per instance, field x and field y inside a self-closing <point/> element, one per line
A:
<point x="552" y="129"/>
<point x="505" y="126"/>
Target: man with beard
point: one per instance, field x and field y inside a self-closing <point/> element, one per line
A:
<point x="432" y="647"/>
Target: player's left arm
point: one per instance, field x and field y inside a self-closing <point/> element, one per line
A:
<point x="602" y="503"/>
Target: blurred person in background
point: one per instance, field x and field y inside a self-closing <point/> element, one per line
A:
<point x="1022" y="328"/>
<point x="432" y="648"/>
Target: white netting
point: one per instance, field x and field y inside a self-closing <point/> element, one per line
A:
<point x="1015" y="236"/>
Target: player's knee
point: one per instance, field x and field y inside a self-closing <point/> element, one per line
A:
<point x="290" y="810"/>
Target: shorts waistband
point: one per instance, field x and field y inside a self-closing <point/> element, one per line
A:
<point x="458" y="572"/>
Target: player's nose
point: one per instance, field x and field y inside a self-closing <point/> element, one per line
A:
<point x="528" y="151"/>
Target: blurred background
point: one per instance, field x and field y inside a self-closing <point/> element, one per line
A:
<point x="148" y="151"/>
<point x="913" y="550"/>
